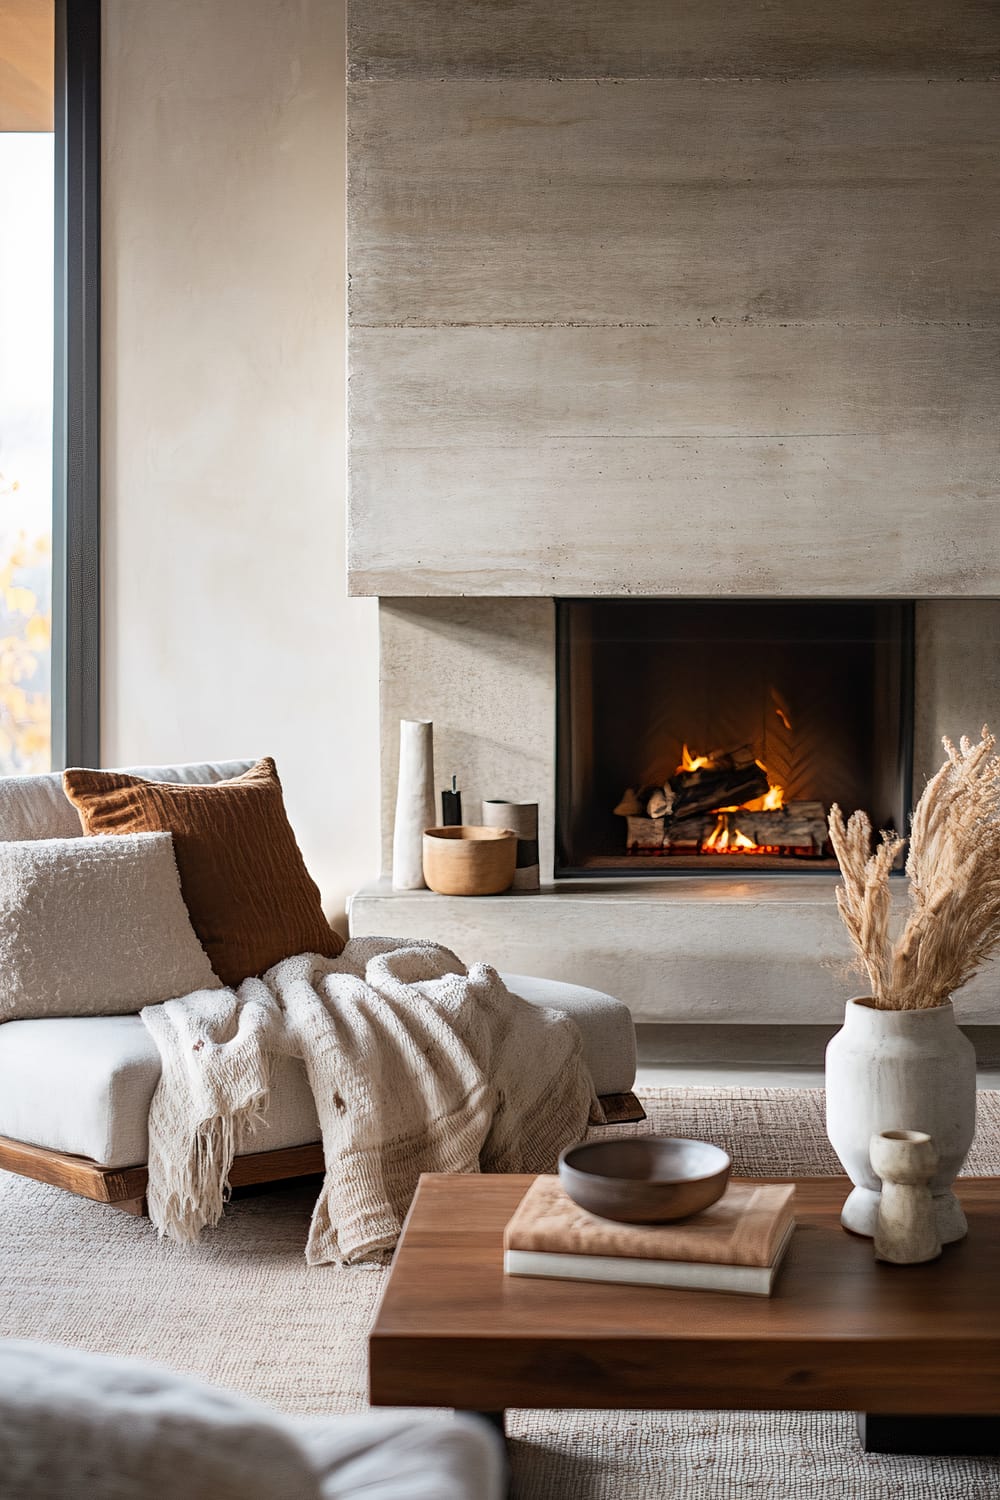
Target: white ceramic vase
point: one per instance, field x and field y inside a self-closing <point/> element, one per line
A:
<point x="414" y="803"/>
<point x="900" y="1070"/>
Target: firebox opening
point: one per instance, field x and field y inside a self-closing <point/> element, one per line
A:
<point x="714" y="735"/>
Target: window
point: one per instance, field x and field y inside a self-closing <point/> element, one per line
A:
<point x="49" y="371"/>
<point x="26" y="346"/>
<point x="77" y="414"/>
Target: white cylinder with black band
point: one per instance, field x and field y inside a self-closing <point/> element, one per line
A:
<point x="522" y="817"/>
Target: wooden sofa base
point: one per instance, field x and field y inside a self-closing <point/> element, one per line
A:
<point x="125" y="1187"/>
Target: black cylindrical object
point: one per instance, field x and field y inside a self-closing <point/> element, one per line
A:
<point x="451" y="805"/>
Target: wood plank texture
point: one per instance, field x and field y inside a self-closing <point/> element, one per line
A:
<point x="842" y="1332"/>
<point x="622" y="1109"/>
<point x="76" y="1173"/>
<point x="126" y="1186"/>
<point x="135" y="1207"/>
<point x="275" y="1166"/>
<point x="756" y="272"/>
<point x="672" y="39"/>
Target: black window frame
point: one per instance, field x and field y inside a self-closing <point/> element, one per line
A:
<point x="76" y="448"/>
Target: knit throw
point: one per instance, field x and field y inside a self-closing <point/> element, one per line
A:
<point x="416" y="1063"/>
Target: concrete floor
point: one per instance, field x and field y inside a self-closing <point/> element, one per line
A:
<point x="762" y="1056"/>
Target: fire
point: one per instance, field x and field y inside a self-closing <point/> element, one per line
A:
<point x="691" y="762"/>
<point x="722" y="839"/>
<point x="772" y="800"/>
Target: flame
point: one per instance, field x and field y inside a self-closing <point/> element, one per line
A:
<point x="691" y="762"/>
<point x="772" y="800"/>
<point x="720" y="839"/>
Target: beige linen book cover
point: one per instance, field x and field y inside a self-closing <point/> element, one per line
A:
<point x="747" y="1227"/>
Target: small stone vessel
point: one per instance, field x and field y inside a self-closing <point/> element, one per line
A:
<point x="906" y="1231"/>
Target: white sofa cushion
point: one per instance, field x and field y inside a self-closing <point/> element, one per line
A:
<point x="36" y="807"/>
<point x="606" y="1023"/>
<point x="76" y="1426"/>
<point x="94" y="926"/>
<point x="84" y="1085"/>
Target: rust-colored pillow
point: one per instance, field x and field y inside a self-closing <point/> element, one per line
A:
<point x="250" y="897"/>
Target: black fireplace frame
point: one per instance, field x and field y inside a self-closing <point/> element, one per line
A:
<point x="566" y="868"/>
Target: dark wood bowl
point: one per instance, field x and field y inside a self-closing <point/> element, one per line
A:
<point x="650" y="1179"/>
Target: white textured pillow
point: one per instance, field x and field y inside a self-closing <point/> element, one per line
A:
<point x="94" y="927"/>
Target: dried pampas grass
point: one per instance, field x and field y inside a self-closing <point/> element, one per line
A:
<point x="953" y="867"/>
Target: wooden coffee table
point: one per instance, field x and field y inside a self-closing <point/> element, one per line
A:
<point x="841" y="1332"/>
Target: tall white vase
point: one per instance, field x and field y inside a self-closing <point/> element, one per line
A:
<point x="414" y="803"/>
<point x="900" y="1070"/>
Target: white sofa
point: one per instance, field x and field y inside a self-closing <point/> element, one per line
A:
<point x="79" y="1426"/>
<point x="81" y="1087"/>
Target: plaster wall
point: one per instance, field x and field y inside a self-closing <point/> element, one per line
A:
<point x="227" y="630"/>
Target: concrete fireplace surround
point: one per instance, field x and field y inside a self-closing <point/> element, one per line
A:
<point x="759" y="948"/>
<point x="661" y="299"/>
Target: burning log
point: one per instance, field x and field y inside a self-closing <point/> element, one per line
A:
<point x="629" y="806"/>
<point x="716" y="786"/>
<point x="661" y="803"/>
<point x="703" y="809"/>
<point x="798" y="825"/>
<point x="643" y="835"/>
<point x="688" y="833"/>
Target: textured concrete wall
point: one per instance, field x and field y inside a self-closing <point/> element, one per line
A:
<point x="664" y="298"/>
<point x="957" y="679"/>
<point x="484" y="671"/>
<point x="227" y="629"/>
<point x="680" y="949"/>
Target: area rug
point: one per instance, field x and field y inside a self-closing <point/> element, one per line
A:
<point x="243" y="1309"/>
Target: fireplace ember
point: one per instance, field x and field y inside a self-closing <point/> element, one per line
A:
<point x="722" y="803"/>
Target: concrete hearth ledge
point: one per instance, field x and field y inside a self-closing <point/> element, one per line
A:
<point x="766" y="950"/>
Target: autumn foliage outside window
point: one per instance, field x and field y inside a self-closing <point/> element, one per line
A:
<point x="25" y="644"/>
<point x="26" y="303"/>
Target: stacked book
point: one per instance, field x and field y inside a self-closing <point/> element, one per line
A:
<point x="736" y="1245"/>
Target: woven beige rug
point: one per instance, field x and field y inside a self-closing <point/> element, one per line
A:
<point x="243" y="1309"/>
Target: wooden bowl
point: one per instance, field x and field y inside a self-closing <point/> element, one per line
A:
<point x="469" y="861"/>
<point x="648" y="1180"/>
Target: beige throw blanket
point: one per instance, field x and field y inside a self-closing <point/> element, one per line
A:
<point x="416" y="1063"/>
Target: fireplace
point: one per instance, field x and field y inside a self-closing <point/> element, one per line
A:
<point x="714" y="735"/>
<point x="752" y="943"/>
